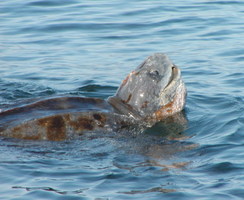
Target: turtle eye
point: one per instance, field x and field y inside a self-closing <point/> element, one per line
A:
<point x="154" y="74"/>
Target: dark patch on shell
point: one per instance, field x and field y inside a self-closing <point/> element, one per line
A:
<point x="100" y="118"/>
<point x="55" y="127"/>
<point x="85" y="123"/>
<point x="97" y="117"/>
<point x="82" y="123"/>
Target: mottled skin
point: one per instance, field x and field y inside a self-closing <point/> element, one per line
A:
<point x="152" y="92"/>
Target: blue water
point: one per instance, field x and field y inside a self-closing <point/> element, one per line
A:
<point x="85" y="48"/>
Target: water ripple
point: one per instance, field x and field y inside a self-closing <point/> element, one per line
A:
<point x="86" y="48"/>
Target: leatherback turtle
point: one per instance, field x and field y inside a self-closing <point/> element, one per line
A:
<point x="152" y="92"/>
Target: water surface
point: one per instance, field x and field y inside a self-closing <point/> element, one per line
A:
<point x="85" y="48"/>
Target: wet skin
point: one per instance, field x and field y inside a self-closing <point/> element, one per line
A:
<point x="152" y="92"/>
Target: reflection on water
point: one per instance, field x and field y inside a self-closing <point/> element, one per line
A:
<point x="85" y="48"/>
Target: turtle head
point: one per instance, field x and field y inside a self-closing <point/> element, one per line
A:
<point x="153" y="90"/>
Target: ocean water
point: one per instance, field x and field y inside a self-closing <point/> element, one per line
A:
<point x="85" y="48"/>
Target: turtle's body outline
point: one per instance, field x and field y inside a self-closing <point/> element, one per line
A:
<point x="152" y="92"/>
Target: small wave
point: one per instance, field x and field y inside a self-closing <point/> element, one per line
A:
<point x="13" y="91"/>
<point x="95" y="90"/>
<point x="48" y="3"/>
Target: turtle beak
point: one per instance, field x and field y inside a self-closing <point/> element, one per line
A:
<point x="174" y="75"/>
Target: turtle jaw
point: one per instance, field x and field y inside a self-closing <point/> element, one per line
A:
<point x="172" y="97"/>
<point x="174" y="75"/>
<point x="168" y="92"/>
